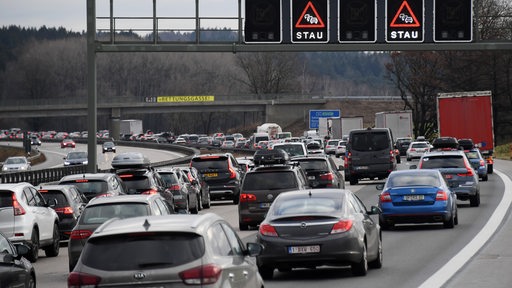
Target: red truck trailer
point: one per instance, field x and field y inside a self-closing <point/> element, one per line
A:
<point x="468" y="115"/>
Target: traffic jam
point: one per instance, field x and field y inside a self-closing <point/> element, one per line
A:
<point x="296" y="194"/>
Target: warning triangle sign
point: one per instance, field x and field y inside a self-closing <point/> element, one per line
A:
<point x="405" y="17"/>
<point x="310" y="18"/>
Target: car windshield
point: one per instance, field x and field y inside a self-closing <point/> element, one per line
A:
<point x="454" y="161"/>
<point x="271" y="180"/>
<point x="292" y="150"/>
<point x="370" y="141"/>
<point x="306" y="205"/>
<point x="413" y="179"/>
<point x="77" y="155"/>
<point x="15" y="161"/>
<point x="169" y="178"/>
<point x="97" y="214"/>
<point x="147" y="250"/>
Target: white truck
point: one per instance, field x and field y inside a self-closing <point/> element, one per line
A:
<point x="335" y="128"/>
<point x="400" y="123"/>
<point x="131" y="127"/>
<point x="271" y="128"/>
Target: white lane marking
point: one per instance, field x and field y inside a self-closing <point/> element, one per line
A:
<point x="446" y="272"/>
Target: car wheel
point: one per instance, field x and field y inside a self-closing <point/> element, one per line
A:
<point x="199" y="202"/>
<point x="195" y="210"/>
<point x="398" y="159"/>
<point x="456" y="220"/>
<point x="31" y="282"/>
<point x="450" y="223"/>
<point x="361" y="268"/>
<point x="474" y="201"/>
<point x="208" y="203"/>
<point x="34" y="252"/>
<point x="377" y="263"/>
<point x="385" y="225"/>
<point x="266" y="272"/>
<point x="485" y="178"/>
<point x="408" y="159"/>
<point x="489" y="169"/>
<point x="54" y="248"/>
<point x="354" y="180"/>
<point x="236" y="199"/>
<point x="243" y="227"/>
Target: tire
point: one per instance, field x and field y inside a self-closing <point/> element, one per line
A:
<point x="31" y="282"/>
<point x="53" y="250"/>
<point x="408" y="159"/>
<point x="474" y="201"/>
<point x="195" y="210"/>
<point x="236" y="199"/>
<point x="377" y="263"/>
<point x="199" y="201"/>
<point x="361" y="268"/>
<point x="489" y="169"/>
<point x="450" y="223"/>
<point x="34" y="248"/>
<point x="243" y="227"/>
<point x="385" y="225"/>
<point x="353" y="180"/>
<point x="456" y="219"/>
<point x="266" y="272"/>
<point x="485" y="178"/>
<point x="208" y="203"/>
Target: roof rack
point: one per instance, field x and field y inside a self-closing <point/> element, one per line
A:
<point x="271" y="157"/>
<point x="130" y="160"/>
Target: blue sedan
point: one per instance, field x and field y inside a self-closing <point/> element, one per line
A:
<point x="417" y="196"/>
<point x="477" y="162"/>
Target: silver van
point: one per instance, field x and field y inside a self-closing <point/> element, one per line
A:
<point x="370" y="154"/>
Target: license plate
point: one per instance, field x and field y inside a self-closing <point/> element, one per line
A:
<point x="264" y="205"/>
<point x="311" y="177"/>
<point x="413" y="197"/>
<point x="211" y="175"/>
<point x="362" y="168"/>
<point x="304" y="249"/>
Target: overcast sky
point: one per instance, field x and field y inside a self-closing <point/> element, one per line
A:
<point x="71" y="14"/>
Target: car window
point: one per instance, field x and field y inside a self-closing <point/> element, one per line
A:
<point x="98" y="214"/>
<point x="5" y="247"/>
<point x="169" y="178"/>
<point x="402" y="180"/>
<point x="292" y="150"/>
<point x="29" y="197"/>
<point x="370" y="141"/>
<point x="447" y="161"/>
<point x="314" y="165"/>
<point x="307" y="205"/>
<point x="147" y="251"/>
<point x="472" y="155"/>
<point x="57" y="196"/>
<point x="88" y="186"/>
<point x="234" y="241"/>
<point x="5" y="199"/>
<point x="210" y="163"/>
<point x="272" y="180"/>
<point x="219" y="241"/>
<point x="38" y="198"/>
<point x="419" y="145"/>
<point x="136" y="183"/>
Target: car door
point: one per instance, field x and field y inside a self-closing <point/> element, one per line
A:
<point x="370" y="226"/>
<point x="12" y="274"/>
<point x="41" y="212"/>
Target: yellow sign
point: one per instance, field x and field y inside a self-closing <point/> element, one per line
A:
<point x="208" y="98"/>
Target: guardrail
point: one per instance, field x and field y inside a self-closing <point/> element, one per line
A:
<point x="36" y="177"/>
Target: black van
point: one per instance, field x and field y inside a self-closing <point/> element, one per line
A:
<point x="369" y="154"/>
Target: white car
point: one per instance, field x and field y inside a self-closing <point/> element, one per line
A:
<point x="25" y="217"/>
<point x="417" y="149"/>
<point x="16" y="164"/>
<point x="330" y="147"/>
<point x="292" y="148"/>
<point x="341" y="149"/>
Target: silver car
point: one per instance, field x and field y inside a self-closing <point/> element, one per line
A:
<point x="167" y="251"/>
<point x="15" y="164"/>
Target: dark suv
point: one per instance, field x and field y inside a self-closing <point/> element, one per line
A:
<point x="370" y="154"/>
<point x="322" y="171"/>
<point x="261" y="186"/>
<point x="222" y="173"/>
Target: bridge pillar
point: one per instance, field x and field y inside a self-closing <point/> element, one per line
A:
<point x="115" y="118"/>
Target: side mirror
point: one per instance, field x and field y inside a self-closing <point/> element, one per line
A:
<point x="374" y="210"/>
<point x="52" y="203"/>
<point x="7" y="259"/>
<point x="254" y="249"/>
<point x="379" y="186"/>
<point x="22" y="250"/>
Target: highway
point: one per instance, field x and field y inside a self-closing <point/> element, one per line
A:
<point x="413" y="255"/>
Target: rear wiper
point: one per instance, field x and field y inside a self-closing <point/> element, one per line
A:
<point x="154" y="264"/>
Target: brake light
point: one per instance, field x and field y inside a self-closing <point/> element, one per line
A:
<point x="327" y="176"/>
<point x="64" y="210"/>
<point x="18" y="209"/>
<point x="81" y="181"/>
<point x="79" y="279"/>
<point x="412" y="150"/>
<point x="392" y="155"/>
<point x="268" y="230"/>
<point x="232" y="173"/>
<point x="202" y="275"/>
<point x="125" y="175"/>
<point x="469" y="169"/>
<point x="80" y="234"/>
<point x="341" y="226"/>
<point x="175" y="187"/>
<point x="441" y="196"/>
<point x="150" y="192"/>
<point x="385" y="197"/>
<point x="482" y="163"/>
<point x="244" y="197"/>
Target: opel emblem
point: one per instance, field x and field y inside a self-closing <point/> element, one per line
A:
<point x="303" y="225"/>
<point x="139" y="276"/>
<point x="413" y="191"/>
<point x="270" y="196"/>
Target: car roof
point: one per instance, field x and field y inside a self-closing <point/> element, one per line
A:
<point x="12" y="186"/>
<point x="133" y="198"/>
<point x="274" y="167"/>
<point x="323" y="192"/>
<point x="63" y="187"/>
<point x="415" y="171"/>
<point x="441" y="153"/>
<point x="94" y="176"/>
<point x="161" y="223"/>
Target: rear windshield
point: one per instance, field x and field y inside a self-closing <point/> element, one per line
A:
<point x="332" y="143"/>
<point x="5" y="199"/>
<point x="292" y="150"/>
<point x="370" y="141"/>
<point x="270" y="181"/>
<point x="260" y="138"/>
<point x="420" y="145"/>
<point x="136" y="184"/>
<point x="308" y="205"/>
<point x="314" y="165"/>
<point x="169" y="178"/>
<point x="97" y="214"/>
<point x="58" y="196"/>
<point x="454" y="161"/>
<point x="423" y="179"/>
<point x="89" y="186"/>
<point x="147" y="251"/>
<point x="210" y="163"/>
<point x="472" y="155"/>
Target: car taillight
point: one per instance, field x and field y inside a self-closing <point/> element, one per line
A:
<point x="392" y="155"/>
<point x="175" y="187"/>
<point x="341" y="226"/>
<point x="80" y="234"/>
<point x="268" y="230"/>
<point x="64" y="210"/>
<point x="327" y="176"/>
<point x="385" y="197"/>
<point x="18" y="209"/>
<point x="441" y="196"/>
<point x="482" y="163"/>
<point x="79" y="279"/>
<point x="202" y="275"/>
<point x="469" y="173"/>
<point x="244" y="197"/>
<point x="412" y="150"/>
<point x="150" y="192"/>
<point x="232" y="173"/>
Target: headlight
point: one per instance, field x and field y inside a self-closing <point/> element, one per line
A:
<point x="23" y="168"/>
<point x="66" y="162"/>
<point x="85" y="162"/>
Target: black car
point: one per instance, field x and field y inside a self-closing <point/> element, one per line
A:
<point x="195" y="178"/>
<point x="402" y="144"/>
<point x="108" y="147"/>
<point x="313" y="228"/>
<point x="69" y="204"/>
<point x="15" y="270"/>
<point x="222" y="173"/>
<point x="95" y="184"/>
<point x="184" y="193"/>
<point x="321" y="171"/>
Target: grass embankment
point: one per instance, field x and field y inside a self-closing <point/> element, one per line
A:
<point x="6" y="152"/>
<point x="503" y="152"/>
